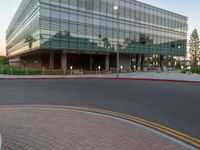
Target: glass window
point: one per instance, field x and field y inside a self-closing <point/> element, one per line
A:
<point x="45" y="12"/>
<point x="55" y="14"/>
<point x="73" y="17"/>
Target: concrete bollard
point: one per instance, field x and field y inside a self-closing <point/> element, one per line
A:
<point x="43" y="71"/>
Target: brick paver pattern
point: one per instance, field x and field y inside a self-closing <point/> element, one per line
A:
<point x="54" y="129"/>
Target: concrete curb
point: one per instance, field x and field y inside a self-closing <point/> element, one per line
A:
<point x="106" y="78"/>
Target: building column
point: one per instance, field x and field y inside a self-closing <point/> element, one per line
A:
<point x="142" y="62"/>
<point x="107" y="62"/>
<point x="161" y="62"/>
<point x="64" y="61"/>
<point x="137" y="61"/>
<point x="91" y="62"/>
<point x="51" y="60"/>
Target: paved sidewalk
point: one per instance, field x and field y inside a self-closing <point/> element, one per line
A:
<point x="59" y="129"/>
<point x="135" y="75"/>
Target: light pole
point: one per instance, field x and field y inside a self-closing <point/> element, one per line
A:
<point x="116" y="8"/>
<point x="71" y="68"/>
<point x="134" y="67"/>
<point x="121" y="67"/>
<point x="99" y="68"/>
<point x="182" y="67"/>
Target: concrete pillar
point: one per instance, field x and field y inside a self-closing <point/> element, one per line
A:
<point x="142" y="62"/>
<point x="161" y="62"/>
<point x="64" y="61"/>
<point x="91" y="62"/>
<point x="51" y="60"/>
<point x="137" y="61"/>
<point x="107" y="62"/>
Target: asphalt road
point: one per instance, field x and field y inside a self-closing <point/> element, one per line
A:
<point x="175" y="105"/>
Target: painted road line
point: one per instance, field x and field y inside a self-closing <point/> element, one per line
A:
<point x="181" y="136"/>
<point x="158" y="127"/>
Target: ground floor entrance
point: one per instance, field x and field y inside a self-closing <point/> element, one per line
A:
<point x="88" y="61"/>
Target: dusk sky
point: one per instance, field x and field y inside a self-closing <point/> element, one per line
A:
<point x="189" y="8"/>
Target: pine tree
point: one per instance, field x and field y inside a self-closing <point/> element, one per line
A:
<point x="194" y="50"/>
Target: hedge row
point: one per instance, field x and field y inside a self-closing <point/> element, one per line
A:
<point x="195" y="70"/>
<point x="18" y="71"/>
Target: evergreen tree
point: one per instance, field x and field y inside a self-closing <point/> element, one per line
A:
<point x="194" y="50"/>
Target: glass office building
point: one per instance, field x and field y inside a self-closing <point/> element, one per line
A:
<point x="83" y="33"/>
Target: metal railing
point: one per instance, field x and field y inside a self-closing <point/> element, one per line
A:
<point x="44" y="71"/>
<point x="74" y="71"/>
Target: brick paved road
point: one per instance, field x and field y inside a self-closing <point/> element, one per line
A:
<point x="53" y="129"/>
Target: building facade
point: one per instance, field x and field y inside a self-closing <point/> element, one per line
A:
<point x="83" y="34"/>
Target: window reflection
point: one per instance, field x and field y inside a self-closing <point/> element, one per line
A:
<point x="141" y="25"/>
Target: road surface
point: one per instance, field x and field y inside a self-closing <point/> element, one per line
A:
<point x="175" y="105"/>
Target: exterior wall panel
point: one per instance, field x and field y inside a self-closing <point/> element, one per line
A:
<point x="91" y="26"/>
<point x="24" y="24"/>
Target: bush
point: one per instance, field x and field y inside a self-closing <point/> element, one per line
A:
<point x="178" y="65"/>
<point x="3" y="60"/>
<point x="8" y="70"/>
<point x="195" y="70"/>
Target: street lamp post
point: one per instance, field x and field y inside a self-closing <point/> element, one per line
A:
<point x="71" y="68"/>
<point x="121" y="67"/>
<point x="116" y="8"/>
<point x="182" y="67"/>
<point x="99" y="68"/>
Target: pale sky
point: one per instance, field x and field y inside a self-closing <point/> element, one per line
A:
<point x="189" y="8"/>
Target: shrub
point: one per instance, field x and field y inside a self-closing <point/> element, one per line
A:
<point x="18" y="71"/>
<point x="178" y="65"/>
<point x="195" y="70"/>
<point x="3" y="60"/>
